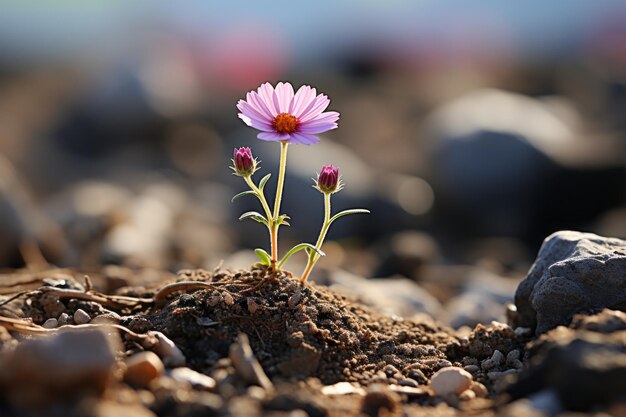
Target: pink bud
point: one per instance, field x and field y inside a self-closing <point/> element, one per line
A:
<point x="328" y="179"/>
<point x="244" y="162"/>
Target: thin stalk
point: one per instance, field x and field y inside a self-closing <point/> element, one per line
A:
<point x="260" y="195"/>
<point x="279" y="195"/>
<point x="314" y="256"/>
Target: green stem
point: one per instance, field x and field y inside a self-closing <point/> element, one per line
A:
<point x="281" y="178"/>
<point x="279" y="195"/>
<point x="260" y="196"/>
<point x="314" y="256"/>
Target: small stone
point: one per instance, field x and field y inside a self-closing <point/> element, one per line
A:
<point x="522" y="331"/>
<point x="380" y="397"/>
<point x="81" y="317"/>
<point x="479" y="389"/>
<point x="196" y="379"/>
<point x="406" y="382"/>
<point x="487" y="364"/>
<point x="143" y="367"/>
<point x="471" y="368"/>
<point x="228" y="299"/>
<point x="516" y="364"/>
<point x="51" y="323"/>
<point x="494" y="375"/>
<point x="466" y="395"/>
<point x="170" y="353"/>
<point x="512" y="356"/>
<point x="342" y="388"/>
<point x="497" y="358"/>
<point x="451" y="380"/>
<point x="63" y="319"/>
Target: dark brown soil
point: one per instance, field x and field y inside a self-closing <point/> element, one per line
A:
<point x="305" y="338"/>
<point x="298" y="331"/>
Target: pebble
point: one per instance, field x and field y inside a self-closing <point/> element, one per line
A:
<point x="196" y="379"/>
<point x="497" y="357"/>
<point x="479" y="389"/>
<point x="471" y="368"/>
<point x="512" y="356"/>
<point x="487" y="364"/>
<point x="406" y="382"/>
<point x="51" y="323"/>
<point x="451" y="380"/>
<point x="166" y="349"/>
<point x="516" y="364"/>
<point x="63" y="319"/>
<point x="143" y="367"/>
<point x="522" y="331"/>
<point x="81" y="317"/>
<point x="466" y="395"/>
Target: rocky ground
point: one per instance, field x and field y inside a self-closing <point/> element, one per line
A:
<point x="124" y="342"/>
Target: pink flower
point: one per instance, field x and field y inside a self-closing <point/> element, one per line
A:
<point x="282" y="115"/>
<point x="328" y="180"/>
<point x="244" y="163"/>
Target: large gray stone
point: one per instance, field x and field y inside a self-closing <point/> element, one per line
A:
<point x="573" y="272"/>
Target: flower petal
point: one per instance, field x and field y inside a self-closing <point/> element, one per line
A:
<point x="267" y="94"/>
<point x="317" y="128"/>
<point x="272" y="136"/>
<point x="284" y="92"/>
<point x="318" y="106"/>
<point x="250" y="111"/>
<point x="303" y="98"/>
<point x="255" y="101"/>
<point x="303" y="138"/>
<point x="257" y="124"/>
<point x="326" y="117"/>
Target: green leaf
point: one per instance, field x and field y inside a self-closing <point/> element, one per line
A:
<point x="297" y="248"/>
<point x="264" y="181"/>
<point x="249" y="192"/>
<point x="254" y="216"/>
<point x="264" y="257"/>
<point x="282" y="219"/>
<point x="345" y="213"/>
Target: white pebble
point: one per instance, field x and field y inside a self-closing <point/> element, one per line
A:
<point x="63" y="318"/>
<point x="51" y="323"/>
<point x="81" y="317"/>
<point x="522" y="331"/>
<point x="451" y="380"/>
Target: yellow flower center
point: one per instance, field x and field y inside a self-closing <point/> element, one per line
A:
<point x="285" y="123"/>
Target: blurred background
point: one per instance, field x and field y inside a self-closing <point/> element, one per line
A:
<point x="471" y="130"/>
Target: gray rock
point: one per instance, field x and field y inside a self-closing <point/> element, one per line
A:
<point x="70" y="363"/>
<point x="573" y="272"/>
<point x="586" y="369"/>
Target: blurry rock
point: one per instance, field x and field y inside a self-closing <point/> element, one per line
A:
<point x="68" y="364"/>
<point x="607" y="321"/>
<point x="586" y="369"/>
<point x="143" y="367"/>
<point x="405" y="253"/>
<point x="450" y="380"/>
<point x="108" y="408"/>
<point x="505" y="164"/>
<point x="195" y="379"/>
<point x="481" y="300"/>
<point x="81" y="317"/>
<point x="246" y="364"/>
<point x="573" y="272"/>
<point x="399" y="295"/>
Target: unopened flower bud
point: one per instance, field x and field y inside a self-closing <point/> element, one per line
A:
<point x="244" y="163"/>
<point x="328" y="180"/>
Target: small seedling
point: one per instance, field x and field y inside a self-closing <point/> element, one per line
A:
<point x="286" y="117"/>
